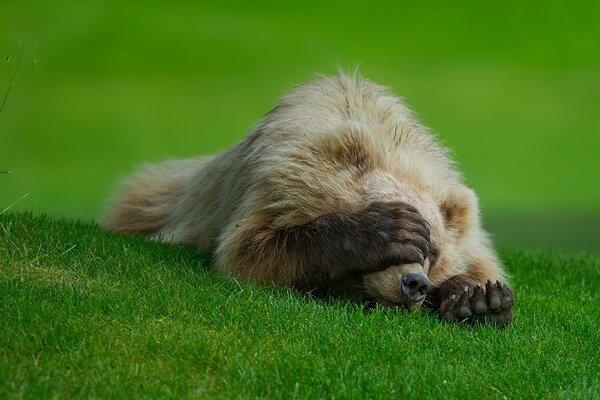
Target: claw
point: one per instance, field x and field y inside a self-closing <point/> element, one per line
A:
<point x="507" y="298"/>
<point x="447" y="311"/>
<point x="464" y="311"/>
<point x="489" y="286"/>
<point x="493" y="296"/>
<point x="479" y="300"/>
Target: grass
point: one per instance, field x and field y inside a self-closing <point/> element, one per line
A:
<point x="85" y="313"/>
<point x="512" y="88"/>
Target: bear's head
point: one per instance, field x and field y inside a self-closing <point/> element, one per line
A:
<point x="453" y="217"/>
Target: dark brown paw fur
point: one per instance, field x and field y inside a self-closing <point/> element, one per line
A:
<point x="490" y="305"/>
<point x="399" y="231"/>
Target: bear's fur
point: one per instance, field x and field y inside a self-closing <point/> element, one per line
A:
<point x="338" y="186"/>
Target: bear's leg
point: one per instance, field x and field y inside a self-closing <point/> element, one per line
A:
<point x="473" y="298"/>
<point x="328" y="248"/>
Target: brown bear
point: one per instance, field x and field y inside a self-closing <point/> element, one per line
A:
<point x="339" y="186"/>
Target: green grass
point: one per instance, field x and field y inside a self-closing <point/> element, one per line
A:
<point x="512" y="88"/>
<point x="85" y="313"/>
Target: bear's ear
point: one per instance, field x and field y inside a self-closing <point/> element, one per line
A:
<point x="460" y="210"/>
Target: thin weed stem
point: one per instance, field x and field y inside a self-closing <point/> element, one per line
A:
<point x="12" y="81"/>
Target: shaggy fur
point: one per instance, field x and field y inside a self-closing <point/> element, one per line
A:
<point x="295" y="202"/>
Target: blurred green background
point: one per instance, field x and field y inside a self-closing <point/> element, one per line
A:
<point x="513" y="88"/>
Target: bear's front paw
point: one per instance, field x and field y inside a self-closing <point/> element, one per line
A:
<point x="475" y="305"/>
<point x="397" y="233"/>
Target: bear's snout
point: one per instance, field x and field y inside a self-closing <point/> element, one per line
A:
<point x="414" y="286"/>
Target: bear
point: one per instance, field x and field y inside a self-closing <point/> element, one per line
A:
<point x="338" y="187"/>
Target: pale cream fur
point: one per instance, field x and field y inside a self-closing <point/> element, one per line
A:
<point x="285" y="173"/>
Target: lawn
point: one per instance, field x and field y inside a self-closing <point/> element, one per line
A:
<point x="512" y="88"/>
<point x="86" y="313"/>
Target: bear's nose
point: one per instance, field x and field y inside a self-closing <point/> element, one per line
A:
<point x="414" y="286"/>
